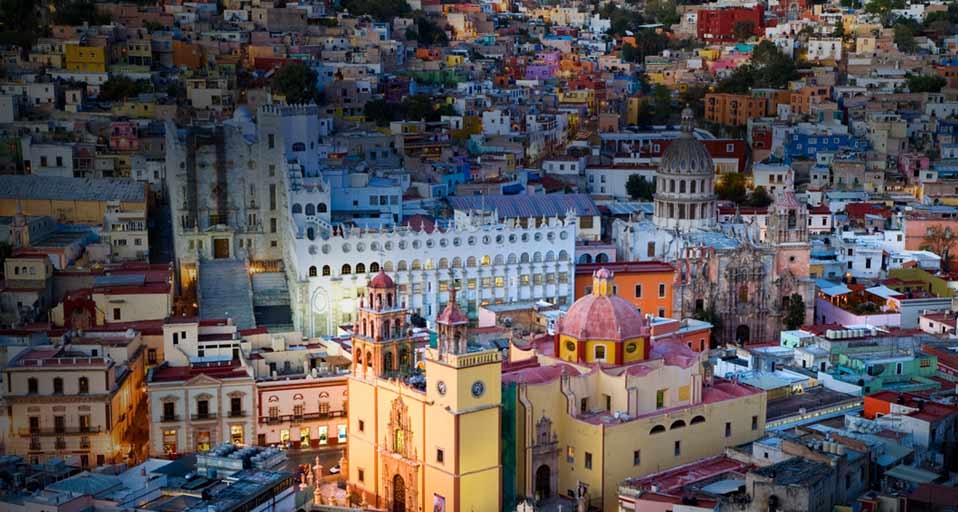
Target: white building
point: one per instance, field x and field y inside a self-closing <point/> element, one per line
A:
<point x="491" y="262"/>
<point x="496" y="122"/>
<point x="825" y="48"/>
<point x="204" y="394"/>
<point x="769" y="176"/>
<point x="126" y="233"/>
<point x="47" y="159"/>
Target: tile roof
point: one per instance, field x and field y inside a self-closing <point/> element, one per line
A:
<point x="71" y="189"/>
<point x="538" y="205"/>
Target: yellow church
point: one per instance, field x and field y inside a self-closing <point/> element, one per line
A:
<point x="564" y="417"/>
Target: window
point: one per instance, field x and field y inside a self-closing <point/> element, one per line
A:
<point x="151" y="356"/>
<point x="636" y="457"/>
<point x="32" y="386"/>
<point x="57" y="386"/>
<point x="361" y="475"/>
<point x="272" y="225"/>
<point x="439" y="455"/>
<point x="271" y="140"/>
<point x="728" y="429"/>
<point x="650" y="250"/>
<point x="660" y="398"/>
<point x="678" y="448"/>
<point x="638" y="291"/>
<point x="116" y="313"/>
<point x="661" y="290"/>
<point x="868" y="263"/>
<point x="600" y="353"/>
<point x="588" y="460"/>
<point x="569" y="454"/>
<point x="362" y="428"/>
<point x="202" y="408"/>
<point x="84" y="385"/>
<point x="754" y="422"/>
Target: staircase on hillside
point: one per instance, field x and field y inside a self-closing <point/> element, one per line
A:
<point x="224" y="290"/>
<point x="271" y="302"/>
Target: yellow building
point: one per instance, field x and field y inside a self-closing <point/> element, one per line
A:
<point x="87" y="59"/>
<point x="598" y="403"/>
<point x="572" y="414"/>
<point x="416" y="446"/>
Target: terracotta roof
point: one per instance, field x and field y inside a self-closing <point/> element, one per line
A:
<point x="627" y="267"/>
<point x="381" y="280"/>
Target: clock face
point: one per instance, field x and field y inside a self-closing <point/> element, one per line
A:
<point x="441" y="387"/>
<point x="478" y="388"/>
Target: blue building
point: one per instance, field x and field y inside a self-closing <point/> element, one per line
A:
<point x="806" y="144"/>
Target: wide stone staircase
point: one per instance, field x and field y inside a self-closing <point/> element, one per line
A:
<point x="271" y="303"/>
<point x="224" y="290"/>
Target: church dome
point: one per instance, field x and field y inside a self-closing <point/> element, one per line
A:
<point x="382" y="280"/>
<point x="602" y="315"/>
<point x="686" y="154"/>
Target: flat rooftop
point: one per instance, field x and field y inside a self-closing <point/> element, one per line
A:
<point x="794" y="471"/>
<point x="71" y="189"/>
<point x="812" y="399"/>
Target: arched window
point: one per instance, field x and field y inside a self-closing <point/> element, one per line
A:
<point x="360" y="268"/>
<point x="321" y="208"/>
<point x="681" y="186"/>
<point x="297" y="208"/>
<point x="312" y="271"/>
<point x="672" y="186"/>
<point x="692" y="186"/>
<point x="346" y="269"/>
<point x="84" y="385"/>
<point x="471" y="261"/>
<point x="677" y="424"/>
<point x="443" y="263"/>
<point x="658" y="429"/>
<point x="299" y="146"/>
<point x="326" y="270"/>
<point x="485" y="261"/>
<point x="416" y="265"/>
<point x="524" y="258"/>
<point x="696" y="420"/>
<point x="311" y="233"/>
<point x="743" y="294"/>
<point x="16" y="270"/>
<point x="401" y="265"/>
<point x="374" y="267"/>
<point x="310" y="209"/>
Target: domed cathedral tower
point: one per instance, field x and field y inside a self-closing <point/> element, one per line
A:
<point x="787" y="235"/>
<point x="685" y="186"/>
<point x="603" y="328"/>
<point x="381" y="344"/>
<point x="451" y="327"/>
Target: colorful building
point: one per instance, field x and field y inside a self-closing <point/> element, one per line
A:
<point x="646" y="284"/>
<point x="733" y="109"/>
<point x="86" y="59"/>
<point x="418" y="444"/>
<point x="714" y="25"/>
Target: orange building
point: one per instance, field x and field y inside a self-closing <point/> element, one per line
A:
<point x="646" y="284"/>
<point x="733" y="109"/>
<point x="187" y="55"/>
<point x="695" y="334"/>
<point x="804" y="98"/>
<point x="919" y="225"/>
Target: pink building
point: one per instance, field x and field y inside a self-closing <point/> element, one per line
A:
<point x="912" y="165"/>
<point x="123" y="136"/>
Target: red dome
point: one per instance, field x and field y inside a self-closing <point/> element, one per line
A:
<point x="603" y="317"/>
<point x="381" y="280"/>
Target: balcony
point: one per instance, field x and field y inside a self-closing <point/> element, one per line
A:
<point x="237" y="414"/>
<point x="47" y="432"/>
<point x="203" y="416"/>
<point x="297" y="418"/>
<point x="169" y="418"/>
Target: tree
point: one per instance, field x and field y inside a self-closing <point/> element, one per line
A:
<point x="743" y="29"/>
<point x="119" y="88"/>
<point x="78" y="12"/>
<point x="296" y="81"/>
<point x="939" y="240"/>
<point x="883" y="7"/>
<point x="382" y="10"/>
<point x="768" y="68"/>
<point x="925" y="83"/>
<point x="905" y="38"/>
<point x="659" y="104"/>
<point x="794" y="311"/>
<point x="760" y="198"/>
<point x="639" y="188"/>
<point x="428" y="33"/>
<point x="731" y="187"/>
<point x="662" y="11"/>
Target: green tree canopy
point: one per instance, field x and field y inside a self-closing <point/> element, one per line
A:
<point x="760" y="198"/>
<point x="382" y="10"/>
<point x="794" y="311"/>
<point x="905" y="37"/>
<point x="883" y="7"/>
<point x="411" y="108"/>
<point x="119" y="88"/>
<point x="662" y="11"/>
<point x="731" y="187"/>
<point x="743" y="29"/>
<point x="639" y="188"/>
<point x="768" y="68"/>
<point x="925" y="83"/>
<point x="428" y="33"/>
<point x="297" y="82"/>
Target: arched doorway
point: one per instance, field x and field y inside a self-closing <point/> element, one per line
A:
<point x="602" y="258"/>
<point x="742" y="334"/>
<point x="543" y="476"/>
<point x="585" y="258"/>
<point x="399" y="494"/>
